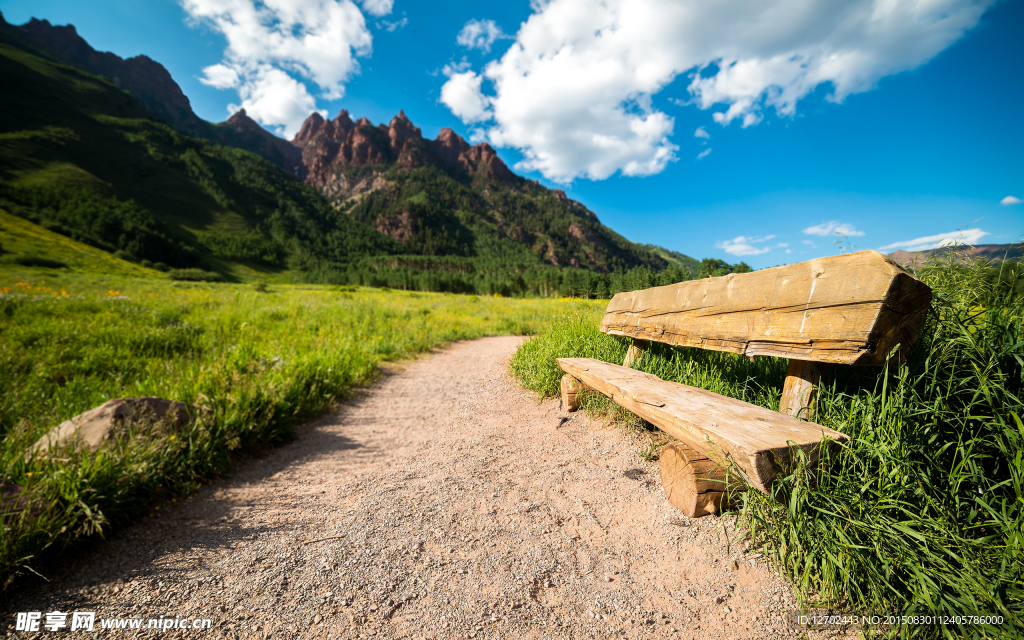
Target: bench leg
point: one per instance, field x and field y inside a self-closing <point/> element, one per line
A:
<point x="693" y="483"/>
<point x="571" y="390"/>
<point x="799" y="395"/>
<point x="637" y="348"/>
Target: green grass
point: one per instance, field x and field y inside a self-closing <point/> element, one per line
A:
<point x="261" y="360"/>
<point x="923" y="512"/>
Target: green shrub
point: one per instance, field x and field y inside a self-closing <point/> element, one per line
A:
<point x="194" y="275"/>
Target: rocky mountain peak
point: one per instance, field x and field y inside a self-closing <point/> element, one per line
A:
<point x="309" y="129"/>
<point x="343" y="120"/>
<point x="241" y="121"/>
<point x="452" y="141"/>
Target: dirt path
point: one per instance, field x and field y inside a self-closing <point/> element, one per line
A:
<point x="442" y="503"/>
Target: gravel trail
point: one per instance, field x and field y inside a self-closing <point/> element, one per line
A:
<point x="444" y="502"/>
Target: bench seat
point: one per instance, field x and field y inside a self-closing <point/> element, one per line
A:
<point x="724" y="429"/>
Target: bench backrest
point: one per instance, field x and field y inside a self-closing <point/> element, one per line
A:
<point x="846" y="309"/>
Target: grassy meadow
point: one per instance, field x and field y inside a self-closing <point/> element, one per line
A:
<point x="922" y="514"/>
<point x="263" y="359"/>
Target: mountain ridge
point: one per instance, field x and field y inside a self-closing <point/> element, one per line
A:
<point x="154" y="87"/>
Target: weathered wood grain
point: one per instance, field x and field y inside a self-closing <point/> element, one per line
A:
<point x="723" y="429"/>
<point x="847" y="309"/>
<point x="800" y="393"/>
<point x="693" y="483"/>
<point x="571" y="390"/>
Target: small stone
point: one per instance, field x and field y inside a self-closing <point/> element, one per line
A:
<point x="607" y="578"/>
<point x="373" y="607"/>
<point x="317" y="618"/>
<point x="719" y="600"/>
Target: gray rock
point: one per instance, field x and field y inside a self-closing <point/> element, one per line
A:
<point x="114" y="419"/>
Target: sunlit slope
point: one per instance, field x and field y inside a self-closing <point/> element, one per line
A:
<point x="20" y="238"/>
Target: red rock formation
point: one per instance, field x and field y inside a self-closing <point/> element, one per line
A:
<point x="330" y="146"/>
<point x="403" y="136"/>
<point x="308" y="130"/>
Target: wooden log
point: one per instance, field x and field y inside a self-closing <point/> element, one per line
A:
<point x="757" y="440"/>
<point x="636" y="349"/>
<point x="800" y="394"/>
<point x="693" y="483"/>
<point x="847" y="309"/>
<point x="571" y="390"/>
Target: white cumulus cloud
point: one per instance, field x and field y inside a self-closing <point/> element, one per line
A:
<point x="273" y="45"/>
<point x="964" y="236"/>
<point x="480" y="34"/>
<point x="270" y="95"/>
<point x="220" y="76"/>
<point x="833" y="228"/>
<point x="462" y="95"/>
<point x="701" y="132"/>
<point x="1008" y="200"/>
<point x="744" y="245"/>
<point x="574" y="92"/>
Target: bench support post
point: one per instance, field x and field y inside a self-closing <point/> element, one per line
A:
<point x="571" y="390"/>
<point x="693" y="483"/>
<point x="800" y="394"/>
<point x="636" y="349"/>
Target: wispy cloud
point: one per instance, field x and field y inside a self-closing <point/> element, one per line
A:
<point x="833" y="228"/>
<point x="703" y="154"/>
<point x="480" y="34"/>
<point x="810" y="244"/>
<point x="392" y="26"/>
<point x="701" y="132"/>
<point x="744" y="245"/>
<point x="963" y="236"/>
<point x="1008" y="200"/>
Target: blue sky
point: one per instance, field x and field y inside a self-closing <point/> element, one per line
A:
<point x="835" y="121"/>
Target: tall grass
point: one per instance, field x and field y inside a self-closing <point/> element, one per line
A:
<point x="922" y="513"/>
<point x="261" y="362"/>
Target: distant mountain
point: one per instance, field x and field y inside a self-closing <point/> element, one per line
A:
<point x="447" y="197"/>
<point x="154" y="87"/>
<point x="992" y="252"/>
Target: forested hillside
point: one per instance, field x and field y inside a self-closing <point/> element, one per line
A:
<point x="84" y="158"/>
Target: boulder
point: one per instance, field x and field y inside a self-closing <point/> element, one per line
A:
<point x="114" y="419"/>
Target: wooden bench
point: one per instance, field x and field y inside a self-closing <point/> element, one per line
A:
<point x="854" y="309"/>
